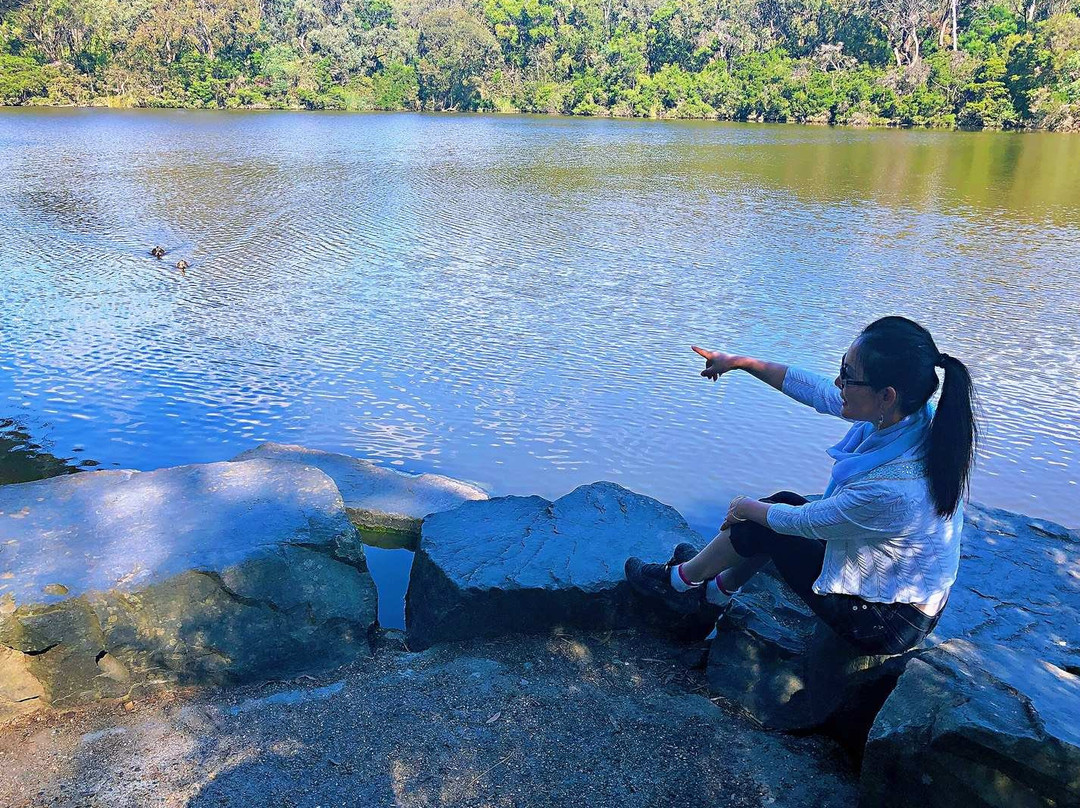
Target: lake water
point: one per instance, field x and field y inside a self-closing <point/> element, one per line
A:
<point x="511" y="300"/>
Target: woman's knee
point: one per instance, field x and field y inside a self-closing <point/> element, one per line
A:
<point x="749" y="539"/>
<point x="786" y="498"/>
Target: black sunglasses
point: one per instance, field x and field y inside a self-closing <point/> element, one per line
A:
<point x="845" y="377"/>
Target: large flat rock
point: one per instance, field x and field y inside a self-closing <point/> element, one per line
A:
<point x="973" y="726"/>
<point x="1015" y="609"/>
<point x="1019" y="586"/>
<point x="525" y="564"/>
<point x="987" y="716"/>
<point x="378" y="500"/>
<point x="213" y="573"/>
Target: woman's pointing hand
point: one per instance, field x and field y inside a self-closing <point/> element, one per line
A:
<point x="716" y="363"/>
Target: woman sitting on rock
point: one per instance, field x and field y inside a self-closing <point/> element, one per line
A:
<point x="875" y="557"/>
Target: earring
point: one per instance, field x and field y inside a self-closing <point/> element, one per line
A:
<point x="880" y="420"/>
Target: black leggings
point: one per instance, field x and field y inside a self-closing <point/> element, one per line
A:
<point x="873" y="628"/>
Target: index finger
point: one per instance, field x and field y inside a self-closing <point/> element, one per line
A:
<point x="700" y="351"/>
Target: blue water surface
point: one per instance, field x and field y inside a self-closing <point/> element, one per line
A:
<point x="510" y="300"/>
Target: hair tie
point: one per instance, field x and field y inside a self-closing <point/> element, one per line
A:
<point x="942" y="358"/>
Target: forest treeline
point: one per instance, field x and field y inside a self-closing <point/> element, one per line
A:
<point x="903" y="62"/>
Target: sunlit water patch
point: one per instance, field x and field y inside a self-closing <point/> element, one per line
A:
<point x="511" y="300"/>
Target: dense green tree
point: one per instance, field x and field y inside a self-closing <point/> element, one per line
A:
<point x="396" y="87"/>
<point x="21" y="79"/>
<point x="522" y="27"/>
<point x="1011" y="63"/>
<point x="673" y="34"/>
<point x="456" y="52"/>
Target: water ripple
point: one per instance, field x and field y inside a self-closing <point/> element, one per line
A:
<point x="510" y="300"/>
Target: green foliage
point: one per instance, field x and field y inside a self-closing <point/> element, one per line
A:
<point x="987" y="29"/>
<point x="1028" y="65"/>
<point x="671" y="38"/>
<point x="396" y="87"/>
<point x="624" y="60"/>
<point x="987" y="103"/>
<point x="814" y="61"/>
<point x="763" y="78"/>
<point x="456" y="52"/>
<point x="21" y="79"/>
<point x="522" y="27"/>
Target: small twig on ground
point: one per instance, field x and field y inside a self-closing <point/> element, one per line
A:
<point x="720" y="701"/>
<point x="484" y="774"/>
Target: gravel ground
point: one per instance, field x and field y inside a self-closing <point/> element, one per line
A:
<point x="574" y="719"/>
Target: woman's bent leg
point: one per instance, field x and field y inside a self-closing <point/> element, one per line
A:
<point x="737" y="563"/>
<point x="734" y="577"/>
<point x="717" y="556"/>
<point x="873" y="628"/>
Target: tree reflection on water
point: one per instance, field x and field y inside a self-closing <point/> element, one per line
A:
<point x="22" y="459"/>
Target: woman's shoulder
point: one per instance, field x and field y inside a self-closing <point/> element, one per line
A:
<point x="903" y="469"/>
<point x="901" y="484"/>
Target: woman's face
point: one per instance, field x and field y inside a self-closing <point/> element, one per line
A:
<point x="861" y="402"/>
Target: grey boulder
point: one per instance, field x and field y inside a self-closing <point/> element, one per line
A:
<point x="788" y="670"/>
<point x="525" y="564"/>
<point x="388" y="505"/>
<point x="116" y="580"/>
<point x="1019" y="586"/>
<point x="976" y="726"/>
<point x="988" y="716"/>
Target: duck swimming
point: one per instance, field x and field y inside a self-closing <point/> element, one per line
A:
<point x="158" y="251"/>
<point x="182" y="264"/>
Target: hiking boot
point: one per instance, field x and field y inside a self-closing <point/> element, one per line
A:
<point x="683" y="552"/>
<point x="654" y="581"/>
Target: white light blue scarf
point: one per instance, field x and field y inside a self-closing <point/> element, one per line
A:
<point x="864" y="447"/>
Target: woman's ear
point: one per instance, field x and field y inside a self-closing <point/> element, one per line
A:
<point x="889" y="396"/>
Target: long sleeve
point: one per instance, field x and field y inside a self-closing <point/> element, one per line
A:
<point x="864" y="511"/>
<point x="813" y="390"/>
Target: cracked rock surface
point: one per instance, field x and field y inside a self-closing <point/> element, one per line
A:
<point x="525" y="564"/>
<point x="976" y="710"/>
<point x="379" y="500"/>
<point x="114" y="581"/>
<point x="1019" y="586"/>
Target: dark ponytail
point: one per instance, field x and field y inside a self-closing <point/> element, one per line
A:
<point x="899" y="353"/>
<point x="953" y="435"/>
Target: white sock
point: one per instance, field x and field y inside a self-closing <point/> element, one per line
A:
<point x="715" y="595"/>
<point x="677" y="582"/>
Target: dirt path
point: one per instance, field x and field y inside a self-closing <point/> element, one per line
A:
<point x="583" y="719"/>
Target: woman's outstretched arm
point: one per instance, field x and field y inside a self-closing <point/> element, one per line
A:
<point x="807" y="388"/>
<point x="718" y="363"/>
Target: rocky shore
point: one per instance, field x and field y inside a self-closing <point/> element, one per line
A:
<point x="207" y="635"/>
